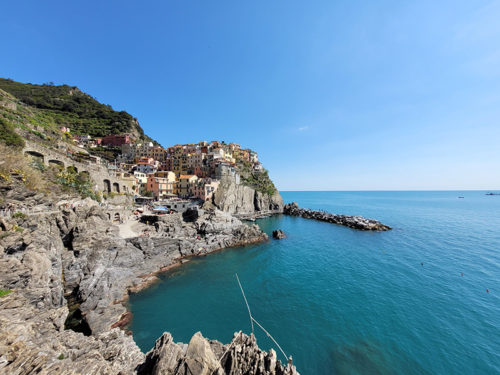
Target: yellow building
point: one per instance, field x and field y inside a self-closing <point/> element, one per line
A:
<point x="185" y="184"/>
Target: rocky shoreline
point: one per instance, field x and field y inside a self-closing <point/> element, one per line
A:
<point x="69" y="273"/>
<point x="355" y="222"/>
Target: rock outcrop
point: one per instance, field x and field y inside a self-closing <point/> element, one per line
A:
<point x="355" y="222"/>
<point x="201" y="356"/>
<point x="278" y="234"/>
<point x="69" y="268"/>
<point x="242" y="200"/>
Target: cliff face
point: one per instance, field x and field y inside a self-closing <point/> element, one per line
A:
<point x="70" y="268"/>
<point x="243" y="200"/>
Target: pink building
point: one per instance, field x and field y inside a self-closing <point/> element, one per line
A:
<point x="161" y="187"/>
<point x="116" y="140"/>
<point x="204" y="189"/>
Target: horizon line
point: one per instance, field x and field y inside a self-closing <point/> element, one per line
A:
<point x="493" y="190"/>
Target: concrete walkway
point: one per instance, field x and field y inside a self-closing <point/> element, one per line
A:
<point x="130" y="228"/>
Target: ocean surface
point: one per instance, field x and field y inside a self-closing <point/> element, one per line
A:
<point x="412" y="300"/>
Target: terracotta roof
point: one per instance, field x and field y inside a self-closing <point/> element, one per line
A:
<point x="187" y="176"/>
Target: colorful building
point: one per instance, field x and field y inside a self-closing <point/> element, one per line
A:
<point x="147" y="165"/>
<point x="116" y="139"/>
<point x="205" y="188"/>
<point x="159" y="186"/>
<point x="185" y="184"/>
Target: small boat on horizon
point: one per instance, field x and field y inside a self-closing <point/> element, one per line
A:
<point x="492" y="194"/>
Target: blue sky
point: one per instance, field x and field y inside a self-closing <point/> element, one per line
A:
<point x="334" y="95"/>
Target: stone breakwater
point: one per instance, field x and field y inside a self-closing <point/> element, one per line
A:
<point x="355" y="222"/>
<point x="73" y="270"/>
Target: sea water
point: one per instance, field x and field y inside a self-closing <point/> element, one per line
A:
<point x="412" y="300"/>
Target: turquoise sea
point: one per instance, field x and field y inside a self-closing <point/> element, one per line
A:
<point x="409" y="301"/>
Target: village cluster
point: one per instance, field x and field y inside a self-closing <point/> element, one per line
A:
<point x="181" y="171"/>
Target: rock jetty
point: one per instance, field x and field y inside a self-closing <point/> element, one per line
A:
<point x="355" y="222"/>
<point x="68" y="273"/>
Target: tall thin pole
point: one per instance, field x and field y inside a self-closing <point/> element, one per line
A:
<point x="248" y="307"/>
<point x="271" y="337"/>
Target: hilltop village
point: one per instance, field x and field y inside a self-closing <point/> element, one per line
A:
<point x="188" y="171"/>
<point x="183" y="171"/>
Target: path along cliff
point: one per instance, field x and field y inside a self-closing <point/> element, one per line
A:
<point x="68" y="273"/>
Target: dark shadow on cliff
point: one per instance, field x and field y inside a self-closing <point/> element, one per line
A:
<point x="75" y="320"/>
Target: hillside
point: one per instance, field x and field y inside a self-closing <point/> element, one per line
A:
<point x="55" y="106"/>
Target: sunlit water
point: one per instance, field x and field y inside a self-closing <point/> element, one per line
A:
<point x="343" y="301"/>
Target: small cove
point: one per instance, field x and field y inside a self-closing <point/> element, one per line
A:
<point x="344" y="301"/>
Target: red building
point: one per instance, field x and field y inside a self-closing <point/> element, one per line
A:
<point x="116" y="140"/>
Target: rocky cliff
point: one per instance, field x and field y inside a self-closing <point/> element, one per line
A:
<point x="243" y="200"/>
<point x="68" y="272"/>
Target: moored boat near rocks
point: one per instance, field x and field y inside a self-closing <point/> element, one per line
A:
<point x="355" y="222"/>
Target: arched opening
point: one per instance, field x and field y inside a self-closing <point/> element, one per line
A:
<point x="36" y="156"/>
<point x="107" y="186"/>
<point x="124" y="188"/>
<point x="116" y="187"/>
<point x="116" y="218"/>
<point x="109" y="216"/>
<point x="56" y="163"/>
<point x="72" y="169"/>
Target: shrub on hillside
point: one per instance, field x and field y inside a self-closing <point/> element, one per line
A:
<point x="15" y="164"/>
<point x="79" y="182"/>
<point x="8" y="134"/>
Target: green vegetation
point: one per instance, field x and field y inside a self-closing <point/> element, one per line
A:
<point x="109" y="153"/>
<point x="4" y="292"/>
<point x="60" y="357"/>
<point x="258" y="180"/>
<point x="19" y="215"/>
<point x="8" y="135"/>
<point x="79" y="182"/>
<point x="68" y="106"/>
<point x="17" y="228"/>
<point x="16" y="166"/>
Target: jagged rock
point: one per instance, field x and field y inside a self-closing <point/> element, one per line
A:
<point x="203" y="357"/>
<point x="244" y="201"/>
<point x="75" y="260"/>
<point x="355" y="222"/>
<point x="278" y="234"/>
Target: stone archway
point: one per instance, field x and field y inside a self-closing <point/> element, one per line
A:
<point x="72" y="168"/>
<point x="56" y="163"/>
<point x="107" y="186"/>
<point x="116" y="217"/>
<point x="116" y="187"/>
<point x="35" y="155"/>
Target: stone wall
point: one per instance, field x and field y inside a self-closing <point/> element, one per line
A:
<point x="104" y="181"/>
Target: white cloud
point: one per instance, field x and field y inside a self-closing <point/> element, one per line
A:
<point x="303" y="128"/>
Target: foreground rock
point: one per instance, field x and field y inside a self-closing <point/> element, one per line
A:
<point x="71" y="269"/>
<point x="278" y="234"/>
<point x="201" y="356"/>
<point x="355" y="222"/>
